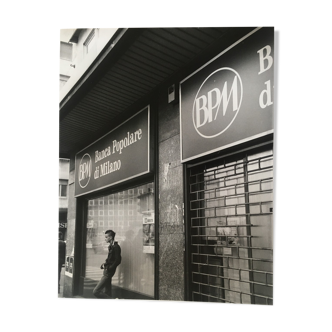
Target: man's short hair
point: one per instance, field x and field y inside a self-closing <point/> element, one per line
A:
<point x="110" y="232"/>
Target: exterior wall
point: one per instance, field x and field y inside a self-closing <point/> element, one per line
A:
<point x="63" y="175"/>
<point x="63" y="169"/>
<point x="64" y="70"/>
<point x="81" y="60"/>
<point x="63" y="201"/>
<point x="171" y="228"/>
<point x="68" y="282"/>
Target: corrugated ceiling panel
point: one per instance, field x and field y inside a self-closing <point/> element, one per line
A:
<point x="86" y="111"/>
<point x="138" y="71"/>
<point x="114" y="84"/>
<point x="151" y="56"/>
<point x="159" y="51"/>
<point x="89" y="125"/>
<point x="145" y="67"/>
<point x="174" y="55"/>
<point x="172" y="37"/>
<point x="104" y="98"/>
<point x="131" y="78"/>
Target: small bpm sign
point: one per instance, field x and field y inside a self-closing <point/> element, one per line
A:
<point x="230" y="99"/>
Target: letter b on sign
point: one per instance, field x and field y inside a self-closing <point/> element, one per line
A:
<point x="265" y="59"/>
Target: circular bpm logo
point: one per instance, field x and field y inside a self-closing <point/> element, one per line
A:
<point x="84" y="172"/>
<point x="217" y="102"/>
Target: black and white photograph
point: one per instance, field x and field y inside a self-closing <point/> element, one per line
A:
<point x="166" y="145"/>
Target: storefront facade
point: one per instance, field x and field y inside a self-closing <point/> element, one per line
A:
<point x="184" y="175"/>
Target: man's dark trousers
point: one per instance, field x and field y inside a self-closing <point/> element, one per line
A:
<point x="104" y="283"/>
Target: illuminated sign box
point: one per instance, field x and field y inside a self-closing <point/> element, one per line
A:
<point x="230" y="99"/>
<point x="120" y="155"/>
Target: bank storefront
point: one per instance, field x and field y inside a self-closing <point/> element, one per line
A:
<point x="186" y="179"/>
<point x="105" y="180"/>
<point x="227" y="113"/>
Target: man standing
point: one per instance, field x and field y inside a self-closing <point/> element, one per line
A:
<point x="112" y="261"/>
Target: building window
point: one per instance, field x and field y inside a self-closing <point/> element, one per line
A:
<point x="63" y="184"/>
<point x="66" y="51"/>
<point x="101" y="213"/>
<point x="92" y="202"/>
<point x="89" y="42"/>
<point x="101" y="202"/>
<point x="120" y="212"/>
<point x="130" y="212"/>
<point x="91" y="213"/>
<point x="111" y="213"/>
<point x="61" y="81"/>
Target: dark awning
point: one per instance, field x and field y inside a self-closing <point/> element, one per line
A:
<point x="133" y="65"/>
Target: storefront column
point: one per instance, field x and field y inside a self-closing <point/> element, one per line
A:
<point x="171" y="228"/>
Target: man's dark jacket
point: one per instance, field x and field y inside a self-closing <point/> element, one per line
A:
<point x="113" y="259"/>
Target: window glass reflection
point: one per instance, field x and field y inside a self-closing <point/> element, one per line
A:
<point x="130" y="214"/>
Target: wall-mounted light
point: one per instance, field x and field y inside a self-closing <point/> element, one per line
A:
<point x="71" y="65"/>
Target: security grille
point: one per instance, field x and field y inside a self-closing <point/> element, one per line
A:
<point x="231" y="249"/>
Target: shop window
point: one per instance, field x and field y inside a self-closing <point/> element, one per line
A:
<point x="134" y="229"/>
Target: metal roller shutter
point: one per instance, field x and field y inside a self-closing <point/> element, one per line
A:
<point x="231" y="231"/>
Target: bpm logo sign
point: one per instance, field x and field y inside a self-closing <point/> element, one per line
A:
<point x="217" y="102"/>
<point x="84" y="171"/>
